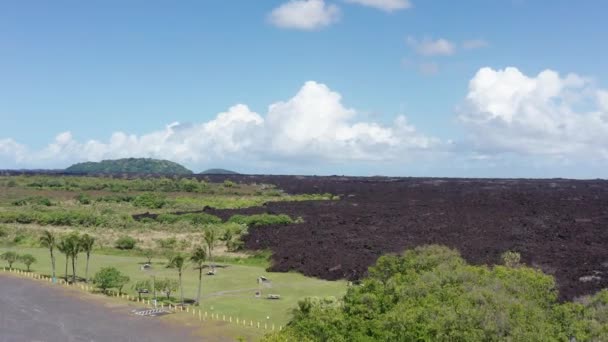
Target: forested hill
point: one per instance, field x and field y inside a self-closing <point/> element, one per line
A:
<point x="130" y="165"/>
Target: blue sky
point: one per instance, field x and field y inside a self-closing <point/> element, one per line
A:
<point x="509" y="88"/>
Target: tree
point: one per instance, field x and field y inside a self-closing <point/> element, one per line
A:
<point x="86" y="244"/>
<point x="177" y="261"/>
<point x="149" y="254"/>
<point x="167" y="286"/>
<point x="110" y="277"/>
<point x="210" y="240"/>
<point x="63" y="248"/>
<point x="142" y="285"/>
<point x="11" y="258"/>
<point x="72" y="243"/>
<point x="27" y="260"/>
<point x="198" y="258"/>
<point x="49" y="240"/>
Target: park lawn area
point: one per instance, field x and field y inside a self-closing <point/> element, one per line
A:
<point x="230" y="292"/>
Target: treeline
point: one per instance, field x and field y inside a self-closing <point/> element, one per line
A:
<point x="91" y="218"/>
<point x="70" y="183"/>
<point x="431" y="294"/>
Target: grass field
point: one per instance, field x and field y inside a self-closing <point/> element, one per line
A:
<point x="231" y="291"/>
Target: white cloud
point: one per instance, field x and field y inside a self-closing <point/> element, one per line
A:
<point x="546" y="114"/>
<point x="385" y="5"/>
<point x="430" y="47"/>
<point x="10" y="149"/>
<point x="313" y="125"/>
<point x="304" y="15"/>
<point x="474" y="44"/>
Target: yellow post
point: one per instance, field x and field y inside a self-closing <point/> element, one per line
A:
<point x="250" y="323"/>
<point x="230" y="319"/>
<point x="237" y="320"/>
<point x="265" y="327"/>
<point x="186" y="309"/>
<point x="258" y="325"/>
<point x="200" y="318"/>
<point x="223" y="317"/>
<point x="273" y="327"/>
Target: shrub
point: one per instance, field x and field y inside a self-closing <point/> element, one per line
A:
<point x="125" y="242"/>
<point x="150" y="200"/>
<point x="83" y="199"/>
<point x="511" y="259"/>
<point x="229" y="184"/>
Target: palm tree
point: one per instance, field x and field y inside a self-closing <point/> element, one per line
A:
<point x="177" y="261"/>
<point x="49" y="240"/>
<point x="73" y="248"/>
<point x="86" y="244"/>
<point x="198" y="257"/>
<point x="210" y="240"/>
<point x="62" y="247"/>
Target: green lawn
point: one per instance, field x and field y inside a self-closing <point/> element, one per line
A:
<point x="229" y="292"/>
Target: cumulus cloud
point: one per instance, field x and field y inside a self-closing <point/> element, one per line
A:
<point x="547" y="114"/>
<point x="312" y="125"/>
<point x="431" y="47"/>
<point x="385" y="5"/>
<point x="304" y="15"/>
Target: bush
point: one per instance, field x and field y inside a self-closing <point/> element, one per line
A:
<point x="150" y="200"/>
<point x="125" y="242"/>
<point x="83" y="199"/>
<point x="511" y="259"/>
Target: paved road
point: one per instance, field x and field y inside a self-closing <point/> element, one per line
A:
<point x="30" y="312"/>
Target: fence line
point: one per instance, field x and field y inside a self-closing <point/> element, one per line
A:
<point x="202" y="315"/>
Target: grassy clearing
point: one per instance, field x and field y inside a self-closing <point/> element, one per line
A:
<point x="230" y="291"/>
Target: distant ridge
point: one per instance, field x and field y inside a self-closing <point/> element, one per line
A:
<point x="219" y="172"/>
<point x="130" y="165"/>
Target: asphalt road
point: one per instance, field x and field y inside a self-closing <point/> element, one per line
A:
<point x="30" y="312"/>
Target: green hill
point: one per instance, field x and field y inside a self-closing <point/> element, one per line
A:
<point x="218" y="172"/>
<point x="130" y="165"/>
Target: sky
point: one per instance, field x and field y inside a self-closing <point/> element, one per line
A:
<point x="476" y="88"/>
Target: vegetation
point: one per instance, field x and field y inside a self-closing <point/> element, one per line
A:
<point x="125" y="242"/>
<point x="431" y="294"/>
<point x="129" y="165"/>
<point x="86" y="244"/>
<point x="27" y="260"/>
<point x="198" y="258"/>
<point x="178" y="262"/>
<point x="167" y="286"/>
<point x="110" y="277"/>
<point x="261" y="219"/>
<point x="10" y="258"/>
<point x="49" y="240"/>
